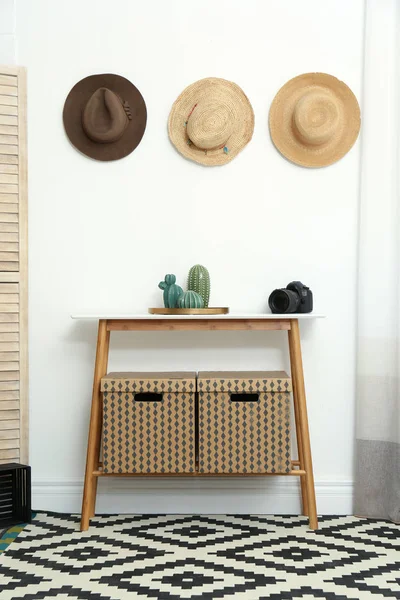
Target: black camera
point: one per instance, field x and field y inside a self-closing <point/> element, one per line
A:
<point x="295" y="298"/>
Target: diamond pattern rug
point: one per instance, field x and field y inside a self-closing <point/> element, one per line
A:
<point x="171" y="557"/>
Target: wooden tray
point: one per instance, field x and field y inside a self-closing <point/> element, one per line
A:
<point x="219" y="310"/>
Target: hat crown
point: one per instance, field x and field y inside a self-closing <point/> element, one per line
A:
<point x="210" y="124"/>
<point x="316" y="117"/>
<point x="104" y="118"/>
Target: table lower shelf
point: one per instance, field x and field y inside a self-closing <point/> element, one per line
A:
<point x="295" y="472"/>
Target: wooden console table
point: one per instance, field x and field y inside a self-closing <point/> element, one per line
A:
<point x="302" y="467"/>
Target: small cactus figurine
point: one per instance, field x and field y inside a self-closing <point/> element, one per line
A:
<point x="199" y="281"/>
<point x="190" y="299"/>
<point x="172" y="291"/>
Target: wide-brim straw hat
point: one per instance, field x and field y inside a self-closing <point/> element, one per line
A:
<point x="314" y="119"/>
<point x="105" y="116"/>
<point x="211" y="121"/>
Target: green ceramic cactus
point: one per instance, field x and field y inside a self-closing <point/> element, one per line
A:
<point x="172" y="291"/>
<point x="190" y="299"/>
<point x="199" y="281"/>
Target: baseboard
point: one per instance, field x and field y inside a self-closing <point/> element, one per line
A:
<point x="197" y="496"/>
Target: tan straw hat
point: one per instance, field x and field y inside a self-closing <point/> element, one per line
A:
<point x="211" y="121"/>
<point x="314" y="119"/>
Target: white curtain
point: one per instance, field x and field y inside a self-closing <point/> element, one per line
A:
<point x="377" y="469"/>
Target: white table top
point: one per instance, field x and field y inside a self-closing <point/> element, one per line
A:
<point x="229" y="316"/>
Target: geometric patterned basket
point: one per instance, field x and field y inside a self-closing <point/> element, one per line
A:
<point x="244" y="427"/>
<point x="149" y="426"/>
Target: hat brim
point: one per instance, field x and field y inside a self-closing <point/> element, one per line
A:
<point x="76" y="102"/>
<point x="194" y="93"/>
<point x="281" y="121"/>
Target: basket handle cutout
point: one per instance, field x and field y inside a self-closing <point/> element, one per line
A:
<point x="148" y="397"/>
<point x="245" y="397"/>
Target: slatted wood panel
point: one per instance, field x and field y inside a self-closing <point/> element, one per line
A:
<point x="13" y="267"/>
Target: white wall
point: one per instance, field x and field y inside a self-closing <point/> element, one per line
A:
<point x="7" y="32"/>
<point x="103" y="235"/>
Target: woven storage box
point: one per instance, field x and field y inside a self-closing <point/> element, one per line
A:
<point x="148" y="422"/>
<point x="244" y="422"/>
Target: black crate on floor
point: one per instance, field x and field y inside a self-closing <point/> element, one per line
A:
<point x="15" y="495"/>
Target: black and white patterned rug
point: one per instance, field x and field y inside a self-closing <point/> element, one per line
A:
<point x="170" y="557"/>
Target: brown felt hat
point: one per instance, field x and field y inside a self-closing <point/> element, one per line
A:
<point x="314" y="119"/>
<point x="211" y="121"/>
<point x="105" y="116"/>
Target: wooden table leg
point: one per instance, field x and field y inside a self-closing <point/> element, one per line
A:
<point x="304" y="498"/>
<point x="94" y="440"/>
<point x="302" y="421"/>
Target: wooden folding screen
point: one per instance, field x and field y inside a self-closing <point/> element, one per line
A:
<point x="13" y="267"/>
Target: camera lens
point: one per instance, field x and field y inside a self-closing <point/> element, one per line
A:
<point x="283" y="301"/>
